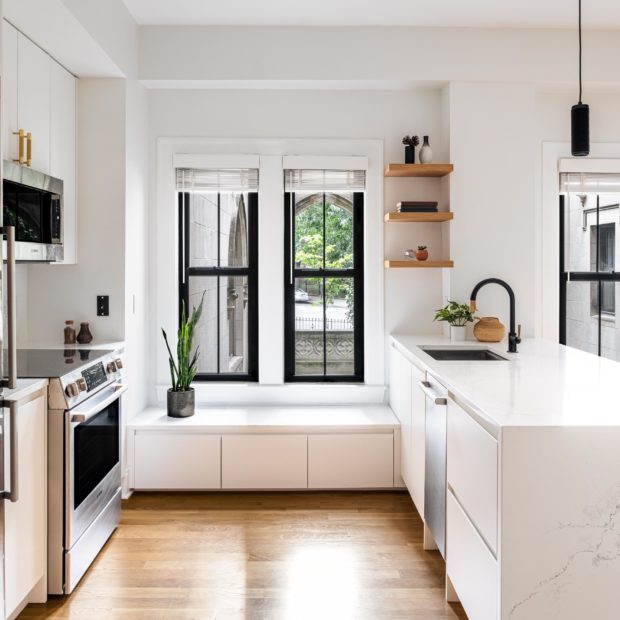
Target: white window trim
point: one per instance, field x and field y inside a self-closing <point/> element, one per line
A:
<point x="271" y="155"/>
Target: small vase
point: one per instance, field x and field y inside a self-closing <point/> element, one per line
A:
<point x="84" y="337"/>
<point x="181" y="404"/>
<point x="426" y="152"/>
<point x="458" y="332"/>
<point x="410" y="154"/>
<point x="489" y="329"/>
<point x="69" y="332"/>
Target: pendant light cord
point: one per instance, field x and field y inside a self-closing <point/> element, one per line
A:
<point x="579" y="51"/>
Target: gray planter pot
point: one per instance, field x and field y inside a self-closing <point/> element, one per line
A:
<point x="181" y="404"/>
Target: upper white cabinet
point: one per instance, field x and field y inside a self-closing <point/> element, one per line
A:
<point x="63" y="150"/>
<point x="9" y="91"/>
<point x="39" y="97"/>
<point x="33" y="99"/>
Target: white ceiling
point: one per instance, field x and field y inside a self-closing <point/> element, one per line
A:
<point x="442" y="13"/>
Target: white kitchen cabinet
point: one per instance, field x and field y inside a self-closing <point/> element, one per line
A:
<point x="33" y="99"/>
<point x="177" y="461"/>
<point x="9" y="92"/>
<point x="25" y="521"/>
<point x="264" y="461"/>
<point x="418" y="431"/>
<point x="63" y="150"/>
<point x="400" y="402"/>
<point x="351" y="461"/>
<point x="471" y="567"/>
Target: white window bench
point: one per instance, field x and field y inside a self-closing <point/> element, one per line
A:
<point x="276" y="447"/>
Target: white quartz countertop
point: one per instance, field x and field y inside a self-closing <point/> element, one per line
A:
<point x="25" y="387"/>
<point x="544" y="384"/>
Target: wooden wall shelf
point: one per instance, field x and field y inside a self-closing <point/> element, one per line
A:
<point x="440" y="216"/>
<point x="417" y="264"/>
<point x="418" y="170"/>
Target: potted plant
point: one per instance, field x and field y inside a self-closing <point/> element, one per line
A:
<point x="410" y="143"/>
<point x="457" y="315"/>
<point x="181" y="397"/>
<point x="422" y="253"/>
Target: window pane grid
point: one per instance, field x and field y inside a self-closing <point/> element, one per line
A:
<point x="223" y="227"/>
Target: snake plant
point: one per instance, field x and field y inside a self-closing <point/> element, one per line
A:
<point x="183" y="369"/>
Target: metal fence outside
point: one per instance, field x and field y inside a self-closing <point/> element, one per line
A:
<point x="311" y="323"/>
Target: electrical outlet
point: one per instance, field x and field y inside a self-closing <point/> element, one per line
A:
<point x="103" y="305"/>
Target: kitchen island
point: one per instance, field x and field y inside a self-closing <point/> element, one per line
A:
<point x="533" y="475"/>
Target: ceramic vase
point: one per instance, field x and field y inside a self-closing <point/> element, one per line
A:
<point x="410" y="154"/>
<point x="458" y="332"/>
<point x="426" y="152"/>
<point x="84" y="336"/>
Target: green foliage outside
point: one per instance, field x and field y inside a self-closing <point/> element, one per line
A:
<point x="338" y="247"/>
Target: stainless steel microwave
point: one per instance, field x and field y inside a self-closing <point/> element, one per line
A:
<point x="33" y="204"/>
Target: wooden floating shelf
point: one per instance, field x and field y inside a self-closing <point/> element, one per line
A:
<point x="440" y="216"/>
<point x="418" y="264"/>
<point x="418" y="170"/>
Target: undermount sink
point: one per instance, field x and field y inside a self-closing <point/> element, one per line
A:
<point x="463" y="354"/>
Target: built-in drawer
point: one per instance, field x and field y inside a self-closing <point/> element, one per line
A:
<point x="351" y="461"/>
<point x="472" y="471"/>
<point x="264" y="461"/>
<point x="176" y="461"/>
<point x="471" y="567"/>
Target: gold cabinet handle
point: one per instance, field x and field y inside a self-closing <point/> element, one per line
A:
<point x="29" y="149"/>
<point x="20" y="142"/>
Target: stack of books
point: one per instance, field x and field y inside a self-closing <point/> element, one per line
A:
<point x="416" y="206"/>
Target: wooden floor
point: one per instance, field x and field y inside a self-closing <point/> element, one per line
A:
<point x="261" y="555"/>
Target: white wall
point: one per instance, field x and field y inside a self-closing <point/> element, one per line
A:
<point x="493" y="148"/>
<point x="385" y="115"/>
<point x="61" y="292"/>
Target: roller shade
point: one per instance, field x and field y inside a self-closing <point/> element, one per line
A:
<point x="217" y="180"/>
<point x="324" y="180"/>
<point x="584" y="182"/>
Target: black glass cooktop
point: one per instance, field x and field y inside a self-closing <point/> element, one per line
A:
<point x="51" y="363"/>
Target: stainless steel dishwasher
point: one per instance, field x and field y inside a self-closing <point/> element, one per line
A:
<point x="435" y="460"/>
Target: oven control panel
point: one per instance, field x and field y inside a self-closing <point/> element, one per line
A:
<point x="94" y="376"/>
<point x="79" y="385"/>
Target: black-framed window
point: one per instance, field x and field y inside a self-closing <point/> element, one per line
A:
<point x="603" y="258"/>
<point x="589" y="211"/>
<point x="218" y="259"/>
<point x="324" y="286"/>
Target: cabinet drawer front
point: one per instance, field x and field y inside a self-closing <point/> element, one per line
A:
<point x="176" y="461"/>
<point x="472" y="471"/>
<point x="351" y="461"/>
<point x="264" y="462"/>
<point x="472" y="569"/>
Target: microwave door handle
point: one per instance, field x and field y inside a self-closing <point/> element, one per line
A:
<point x="83" y="416"/>
<point x="9" y="232"/>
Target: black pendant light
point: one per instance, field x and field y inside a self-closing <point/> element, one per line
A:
<point x="580" y="116"/>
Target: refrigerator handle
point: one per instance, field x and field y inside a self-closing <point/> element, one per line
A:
<point x="9" y="232"/>
<point x="13" y="493"/>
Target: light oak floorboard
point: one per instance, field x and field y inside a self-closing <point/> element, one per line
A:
<point x="293" y="556"/>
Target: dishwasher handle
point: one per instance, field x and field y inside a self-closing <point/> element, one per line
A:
<point x="425" y="386"/>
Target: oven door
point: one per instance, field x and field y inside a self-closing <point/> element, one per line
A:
<point x="92" y="459"/>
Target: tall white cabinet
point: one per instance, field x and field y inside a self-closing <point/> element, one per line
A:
<point x="25" y="521"/>
<point x="39" y="96"/>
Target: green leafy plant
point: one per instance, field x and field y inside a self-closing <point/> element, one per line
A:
<point x="421" y="248"/>
<point x="183" y="368"/>
<point x="458" y="315"/>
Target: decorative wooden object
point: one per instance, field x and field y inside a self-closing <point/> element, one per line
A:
<point x="489" y="329"/>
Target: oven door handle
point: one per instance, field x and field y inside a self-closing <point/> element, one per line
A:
<point x="83" y="416"/>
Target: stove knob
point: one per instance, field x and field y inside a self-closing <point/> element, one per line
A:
<point x="81" y="383"/>
<point x="119" y="363"/>
<point x="72" y="390"/>
<point x="111" y="368"/>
